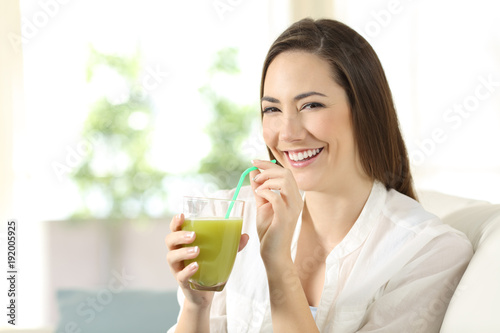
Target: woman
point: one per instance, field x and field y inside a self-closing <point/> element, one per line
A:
<point x="344" y="245"/>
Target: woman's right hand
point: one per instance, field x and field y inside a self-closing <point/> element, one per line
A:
<point x="176" y="255"/>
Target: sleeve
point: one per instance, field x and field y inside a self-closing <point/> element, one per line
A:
<point x="416" y="299"/>
<point x="180" y="301"/>
<point x="218" y="317"/>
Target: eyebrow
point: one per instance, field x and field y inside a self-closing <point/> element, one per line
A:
<point x="296" y="98"/>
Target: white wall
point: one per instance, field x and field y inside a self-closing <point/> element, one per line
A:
<point x="439" y="57"/>
<point x="12" y="133"/>
<point x="11" y="108"/>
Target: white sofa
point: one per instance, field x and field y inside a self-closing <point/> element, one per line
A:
<point x="475" y="305"/>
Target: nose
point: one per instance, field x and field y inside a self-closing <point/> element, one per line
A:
<point x="291" y="128"/>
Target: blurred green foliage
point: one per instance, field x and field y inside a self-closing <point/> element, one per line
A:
<point x="116" y="172"/>
<point x="116" y="175"/>
<point x="230" y="125"/>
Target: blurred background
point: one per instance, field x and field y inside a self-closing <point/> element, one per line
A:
<point x="111" y="111"/>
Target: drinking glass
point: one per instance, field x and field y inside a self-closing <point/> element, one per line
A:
<point x="217" y="237"/>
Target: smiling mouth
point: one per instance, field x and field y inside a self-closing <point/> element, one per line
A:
<point x="303" y="155"/>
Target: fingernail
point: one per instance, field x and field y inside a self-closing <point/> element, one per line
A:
<point x="255" y="178"/>
<point x="193" y="266"/>
<point x="179" y="216"/>
<point x="193" y="249"/>
<point x="189" y="235"/>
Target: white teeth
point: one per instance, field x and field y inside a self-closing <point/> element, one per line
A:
<point x="303" y="155"/>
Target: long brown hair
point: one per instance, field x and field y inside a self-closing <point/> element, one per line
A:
<point x="357" y="69"/>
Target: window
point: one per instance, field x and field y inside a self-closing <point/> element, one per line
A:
<point x="177" y="41"/>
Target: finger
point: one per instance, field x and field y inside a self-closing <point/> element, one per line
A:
<point x="176" y="223"/>
<point x="176" y="258"/>
<point x="259" y="201"/>
<point x="243" y="242"/>
<point x="273" y="198"/>
<point x="280" y="179"/>
<point x="254" y="175"/>
<point x="288" y="193"/>
<point x="264" y="165"/>
<point x="274" y="184"/>
<point x="176" y="239"/>
<point x="184" y="275"/>
<point x="264" y="175"/>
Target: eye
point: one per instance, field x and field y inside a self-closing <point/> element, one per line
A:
<point x="312" y="105"/>
<point x="270" y="109"/>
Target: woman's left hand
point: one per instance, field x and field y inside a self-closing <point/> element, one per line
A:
<point x="277" y="213"/>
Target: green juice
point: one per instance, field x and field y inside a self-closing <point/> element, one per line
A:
<point x="218" y="240"/>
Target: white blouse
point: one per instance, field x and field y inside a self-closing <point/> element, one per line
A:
<point x="395" y="271"/>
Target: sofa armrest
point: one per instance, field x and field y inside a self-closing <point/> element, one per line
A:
<point x="475" y="305"/>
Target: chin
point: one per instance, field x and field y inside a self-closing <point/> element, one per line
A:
<point x="305" y="183"/>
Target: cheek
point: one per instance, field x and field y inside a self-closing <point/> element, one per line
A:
<point x="331" y="127"/>
<point x="323" y="127"/>
<point x="269" y="131"/>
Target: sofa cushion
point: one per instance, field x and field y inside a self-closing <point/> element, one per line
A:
<point x="475" y="305"/>
<point x="442" y="204"/>
<point x="102" y="311"/>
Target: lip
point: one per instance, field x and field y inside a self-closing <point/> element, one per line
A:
<point x="302" y="164"/>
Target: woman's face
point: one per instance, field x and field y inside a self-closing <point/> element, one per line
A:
<point x="307" y="121"/>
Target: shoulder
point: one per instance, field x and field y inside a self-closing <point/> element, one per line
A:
<point x="411" y="255"/>
<point x="408" y="217"/>
<point x="405" y="211"/>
